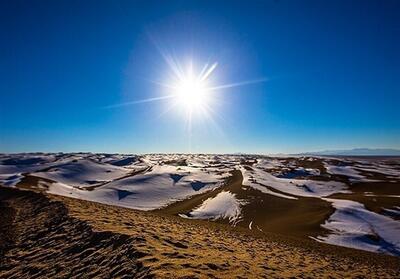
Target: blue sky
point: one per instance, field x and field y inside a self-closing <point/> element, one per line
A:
<point x="333" y="71"/>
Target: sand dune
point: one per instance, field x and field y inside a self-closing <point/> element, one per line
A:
<point x="62" y="237"/>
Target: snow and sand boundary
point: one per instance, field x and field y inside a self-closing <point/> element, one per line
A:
<point x="161" y="181"/>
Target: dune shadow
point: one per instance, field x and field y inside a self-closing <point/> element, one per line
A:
<point x="197" y="185"/>
<point x="176" y="177"/>
<point x="123" y="194"/>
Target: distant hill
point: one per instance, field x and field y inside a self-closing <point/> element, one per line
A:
<point x="358" y="152"/>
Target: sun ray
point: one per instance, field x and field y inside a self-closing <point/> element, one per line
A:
<point x="209" y="71"/>
<point x="168" y="109"/>
<point x="237" y="84"/>
<point x="139" y="102"/>
<point x="205" y="67"/>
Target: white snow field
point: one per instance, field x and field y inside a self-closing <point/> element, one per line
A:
<point x="257" y="177"/>
<point x="83" y="172"/>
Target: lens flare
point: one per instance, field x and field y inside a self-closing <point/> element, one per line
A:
<point x="190" y="90"/>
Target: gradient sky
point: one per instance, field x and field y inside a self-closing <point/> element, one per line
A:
<point x="333" y="70"/>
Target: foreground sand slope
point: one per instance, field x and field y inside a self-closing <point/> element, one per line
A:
<point x="54" y="236"/>
<point x="39" y="240"/>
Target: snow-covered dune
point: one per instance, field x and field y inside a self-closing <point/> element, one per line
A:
<point x="159" y="186"/>
<point x="256" y="178"/>
<point x="83" y="173"/>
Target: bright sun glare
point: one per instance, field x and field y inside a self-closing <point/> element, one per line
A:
<point x="190" y="88"/>
<point x="191" y="92"/>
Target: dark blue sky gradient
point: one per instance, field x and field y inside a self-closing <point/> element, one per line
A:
<point x="333" y="69"/>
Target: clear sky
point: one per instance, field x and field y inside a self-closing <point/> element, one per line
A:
<point x="330" y="73"/>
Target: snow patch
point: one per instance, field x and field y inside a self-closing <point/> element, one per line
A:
<point x="10" y="180"/>
<point x="352" y="225"/>
<point x="256" y="178"/>
<point x="225" y="205"/>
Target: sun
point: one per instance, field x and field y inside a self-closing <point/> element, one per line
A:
<point x="190" y="87"/>
<point x="191" y="92"/>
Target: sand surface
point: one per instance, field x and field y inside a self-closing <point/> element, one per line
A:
<point x="44" y="236"/>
